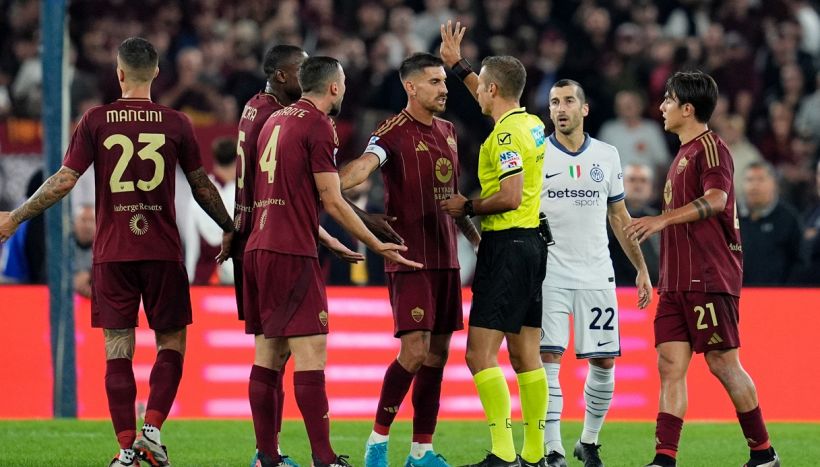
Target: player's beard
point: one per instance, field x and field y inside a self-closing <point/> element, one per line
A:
<point x="434" y="106"/>
<point x="335" y="108"/>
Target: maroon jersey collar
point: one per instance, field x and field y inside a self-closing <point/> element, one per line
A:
<point x="696" y="138"/>
<point x="412" y="119"/>
<point x="309" y="102"/>
<point x="134" y="99"/>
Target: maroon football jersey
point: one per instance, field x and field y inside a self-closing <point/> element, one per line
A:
<point x="419" y="165"/>
<point x="706" y="255"/>
<point x="254" y="116"/>
<point x="134" y="145"/>
<point x="294" y="143"/>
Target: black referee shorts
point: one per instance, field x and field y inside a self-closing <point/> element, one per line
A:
<point x="507" y="285"/>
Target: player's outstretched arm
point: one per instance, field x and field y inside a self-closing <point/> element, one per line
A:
<point x="338" y="248"/>
<point x="619" y="218"/>
<point x="52" y="190"/>
<point x="450" y="52"/>
<point x="353" y="174"/>
<point x="711" y="203"/>
<point x="207" y="196"/>
<point x="508" y="198"/>
<point x="327" y="183"/>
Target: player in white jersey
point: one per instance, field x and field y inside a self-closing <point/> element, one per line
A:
<point x="583" y="187"/>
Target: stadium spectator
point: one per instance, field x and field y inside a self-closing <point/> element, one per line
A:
<point x="639" y="180"/>
<point x="639" y="140"/>
<point x="84" y="224"/>
<point x="732" y="129"/>
<point x="807" y="121"/>
<point x="770" y="225"/>
<point x="810" y="245"/>
<point x="192" y="95"/>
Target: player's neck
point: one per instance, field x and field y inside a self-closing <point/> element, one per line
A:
<point x="323" y="103"/>
<point x="503" y="106"/>
<point x="280" y="95"/>
<point x="142" y="91"/>
<point x="690" y="131"/>
<point x="419" y="113"/>
<point x="572" y="141"/>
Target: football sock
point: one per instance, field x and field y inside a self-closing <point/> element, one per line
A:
<point x="598" y="390"/>
<point x="532" y="389"/>
<point x="552" y="431"/>
<point x="121" y="389"/>
<point x="417" y="450"/>
<point x="262" y="396"/>
<point x="164" y="382"/>
<point x="667" y="434"/>
<point x="280" y="400"/>
<point x="311" y="397"/>
<point x="754" y="429"/>
<point x="396" y="383"/>
<point x="495" y="398"/>
<point x="426" y="398"/>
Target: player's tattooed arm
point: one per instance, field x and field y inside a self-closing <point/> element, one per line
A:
<point x="207" y="196"/>
<point x="52" y="190"/>
<point x="469" y="230"/>
<point x="711" y="203"/>
<point x="119" y="343"/>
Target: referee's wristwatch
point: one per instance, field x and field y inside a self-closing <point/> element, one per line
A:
<point x="468" y="208"/>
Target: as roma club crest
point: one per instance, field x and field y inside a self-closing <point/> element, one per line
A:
<point x="323" y="317"/>
<point x="681" y="165"/>
<point x="417" y="314"/>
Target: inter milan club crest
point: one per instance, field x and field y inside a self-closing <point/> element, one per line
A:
<point x="138" y="224"/>
<point x="417" y="314"/>
<point x="681" y="165"/>
<point x="444" y="169"/>
<point x="323" y="317"/>
<point x="667" y="192"/>
<point x="596" y="173"/>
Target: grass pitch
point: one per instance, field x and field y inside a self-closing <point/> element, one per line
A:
<point x="230" y="443"/>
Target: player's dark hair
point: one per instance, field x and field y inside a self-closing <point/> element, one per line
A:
<point x="279" y="56"/>
<point x="140" y="57"/>
<point x="507" y="73"/>
<point x="418" y="62"/>
<point x="224" y="150"/>
<point x="579" y="90"/>
<point x="317" y="72"/>
<point x="696" y="88"/>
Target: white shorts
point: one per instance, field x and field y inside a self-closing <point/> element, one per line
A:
<point x="595" y="318"/>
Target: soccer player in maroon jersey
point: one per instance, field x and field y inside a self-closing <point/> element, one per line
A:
<point x="418" y="157"/>
<point x="701" y="270"/>
<point x="284" y="293"/>
<point x="137" y="253"/>
<point x="281" y="66"/>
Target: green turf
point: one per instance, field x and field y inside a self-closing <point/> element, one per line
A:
<point x="230" y="443"/>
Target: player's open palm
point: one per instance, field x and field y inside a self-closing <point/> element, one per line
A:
<point x="644" y="285"/>
<point x="7" y="226"/>
<point x="225" y="252"/>
<point x="450" y="49"/>
<point x="390" y="252"/>
<point x="344" y="253"/>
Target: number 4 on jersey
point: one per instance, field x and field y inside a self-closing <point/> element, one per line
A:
<point x="268" y="160"/>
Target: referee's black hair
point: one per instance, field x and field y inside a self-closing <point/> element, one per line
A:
<point x="279" y="56"/>
<point x="140" y="57"/>
<point x="317" y="72"/>
<point x="418" y="62"/>
<point x="696" y="88"/>
<point x="579" y="90"/>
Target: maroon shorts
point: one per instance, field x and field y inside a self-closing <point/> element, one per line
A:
<point x="237" y="286"/>
<point x="708" y="321"/>
<point x="116" y="289"/>
<point x="283" y="295"/>
<point x="427" y="300"/>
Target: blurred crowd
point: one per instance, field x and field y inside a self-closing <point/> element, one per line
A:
<point x="764" y="56"/>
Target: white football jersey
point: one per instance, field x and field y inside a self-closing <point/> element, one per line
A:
<point x="578" y="186"/>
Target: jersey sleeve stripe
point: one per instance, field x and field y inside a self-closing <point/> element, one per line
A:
<point x="387" y="123"/>
<point x="398" y="121"/>
<point x="510" y="173"/>
<point x="616" y="198"/>
<point x="711" y="150"/>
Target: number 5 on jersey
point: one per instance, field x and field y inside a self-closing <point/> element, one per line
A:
<point x="149" y="152"/>
<point x="268" y="160"/>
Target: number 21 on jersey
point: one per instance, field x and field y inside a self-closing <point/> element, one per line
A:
<point x="268" y="160"/>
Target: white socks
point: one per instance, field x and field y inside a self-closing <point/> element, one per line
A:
<point x="598" y="390"/>
<point x="552" y="431"/>
<point x="376" y="438"/>
<point x="417" y="450"/>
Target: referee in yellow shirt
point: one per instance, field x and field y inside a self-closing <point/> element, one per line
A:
<point x="512" y="256"/>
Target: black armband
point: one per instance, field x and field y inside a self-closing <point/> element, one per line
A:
<point x="462" y="69"/>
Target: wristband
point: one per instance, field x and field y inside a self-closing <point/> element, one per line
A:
<point x="468" y="208"/>
<point x="462" y="69"/>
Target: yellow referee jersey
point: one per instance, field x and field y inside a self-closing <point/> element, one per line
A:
<point x="516" y="145"/>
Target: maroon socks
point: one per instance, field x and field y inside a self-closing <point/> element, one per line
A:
<point x="396" y="383"/>
<point x="667" y="434"/>
<point x="164" y="381"/>
<point x="426" y="396"/>
<point x="121" y="389"/>
<point x="311" y="397"/>
<point x="262" y="389"/>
